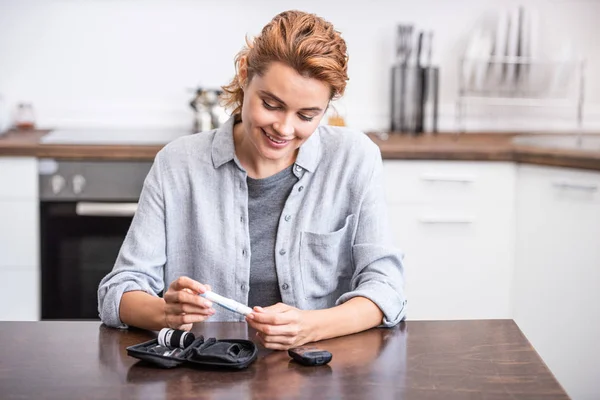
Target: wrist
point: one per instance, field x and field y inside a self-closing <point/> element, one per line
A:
<point x="313" y="325"/>
<point x="162" y="315"/>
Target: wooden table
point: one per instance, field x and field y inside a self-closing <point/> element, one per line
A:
<point x="416" y="360"/>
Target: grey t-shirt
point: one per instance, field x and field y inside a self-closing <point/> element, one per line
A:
<point x="266" y="199"/>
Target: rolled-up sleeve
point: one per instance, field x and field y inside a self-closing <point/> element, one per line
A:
<point x="141" y="259"/>
<point x="378" y="265"/>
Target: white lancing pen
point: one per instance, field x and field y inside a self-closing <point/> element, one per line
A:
<point x="229" y="304"/>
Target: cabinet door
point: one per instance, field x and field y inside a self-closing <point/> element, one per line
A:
<point x="19" y="233"/>
<point x="18" y="178"/>
<point x="557" y="279"/>
<point x="454" y="221"/>
<point x="458" y="264"/>
<point x="19" y="294"/>
<point x="467" y="183"/>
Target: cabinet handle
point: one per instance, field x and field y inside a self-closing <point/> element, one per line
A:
<point x="446" y="220"/>
<point x="106" y="209"/>
<point x="429" y="177"/>
<point x="576" y="186"/>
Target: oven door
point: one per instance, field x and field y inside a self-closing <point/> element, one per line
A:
<point x="80" y="242"/>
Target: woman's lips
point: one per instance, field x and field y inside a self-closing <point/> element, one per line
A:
<point x="277" y="143"/>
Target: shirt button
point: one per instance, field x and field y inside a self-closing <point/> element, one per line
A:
<point x="244" y="252"/>
<point x="282" y="252"/>
<point x="241" y="219"/>
<point x="288" y="217"/>
<point x="298" y="168"/>
<point x="285" y="286"/>
<point x="243" y="287"/>
<point x="301" y="188"/>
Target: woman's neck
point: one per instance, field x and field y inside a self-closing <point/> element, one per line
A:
<point x="256" y="167"/>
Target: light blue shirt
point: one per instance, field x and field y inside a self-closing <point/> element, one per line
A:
<point x="332" y="244"/>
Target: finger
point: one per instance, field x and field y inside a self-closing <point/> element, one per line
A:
<point x="277" y="308"/>
<point x="184" y="296"/>
<point x="183" y="319"/>
<point x="185" y="308"/>
<point x="277" y="330"/>
<point x="273" y="346"/>
<point x="184" y="282"/>
<point x="281" y="318"/>
<point x="285" y="340"/>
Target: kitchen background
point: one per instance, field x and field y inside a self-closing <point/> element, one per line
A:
<point x="491" y="227"/>
<point x="131" y="62"/>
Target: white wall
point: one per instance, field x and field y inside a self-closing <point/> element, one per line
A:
<point x="130" y="62"/>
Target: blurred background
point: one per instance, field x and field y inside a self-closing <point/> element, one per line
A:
<point x="487" y="114"/>
<point x="107" y="62"/>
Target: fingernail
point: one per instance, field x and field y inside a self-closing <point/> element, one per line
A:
<point x="208" y="303"/>
<point x="259" y="308"/>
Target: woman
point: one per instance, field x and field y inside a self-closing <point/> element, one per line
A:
<point x="271" y="209"/>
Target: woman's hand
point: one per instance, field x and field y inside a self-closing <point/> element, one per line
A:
<point x="184" y="306"/>
<point x="281" y="327"/>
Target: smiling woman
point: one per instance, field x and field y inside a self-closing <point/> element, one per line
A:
<point x="272" y="209"/>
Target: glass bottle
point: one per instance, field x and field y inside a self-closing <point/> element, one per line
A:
<point x="24" y="117"/>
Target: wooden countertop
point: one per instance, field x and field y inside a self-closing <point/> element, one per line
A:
<point x="447" y="146"/>
<point x="484" y="359"/>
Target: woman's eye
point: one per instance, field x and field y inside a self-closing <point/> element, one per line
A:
<point x="305" y="118"/>
<point x="269" y="106"/>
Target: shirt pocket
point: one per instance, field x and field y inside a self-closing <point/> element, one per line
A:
<point x="326" y="261"/>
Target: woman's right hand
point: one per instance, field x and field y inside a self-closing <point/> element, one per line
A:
<point x="184" y="306"/>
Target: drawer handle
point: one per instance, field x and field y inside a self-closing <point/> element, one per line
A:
<point x="430" y="220"/>
<point x="106" y="209"/>
<point x="576" y="186"/>
<point x="447" y="178"/>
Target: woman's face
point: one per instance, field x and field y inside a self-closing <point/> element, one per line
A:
<point x="281" y="110"/>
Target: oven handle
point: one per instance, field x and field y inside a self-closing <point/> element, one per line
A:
<point x="106" y="209"/>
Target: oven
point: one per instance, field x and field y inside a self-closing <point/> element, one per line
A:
<point x="86" y="208"/>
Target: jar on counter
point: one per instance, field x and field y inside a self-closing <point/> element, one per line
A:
<point x="24" y="117"/>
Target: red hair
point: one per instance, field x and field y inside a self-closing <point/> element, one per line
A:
<point x="303" y="41"/>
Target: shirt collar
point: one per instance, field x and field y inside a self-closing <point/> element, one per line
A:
<point x="223" y="148"/>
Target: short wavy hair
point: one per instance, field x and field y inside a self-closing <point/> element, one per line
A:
<point x="305" y="42"/>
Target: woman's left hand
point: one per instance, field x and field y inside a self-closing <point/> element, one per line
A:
<point x="281" y="327"/>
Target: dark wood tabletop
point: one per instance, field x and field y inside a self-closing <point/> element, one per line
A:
<point x="482" y="359"/>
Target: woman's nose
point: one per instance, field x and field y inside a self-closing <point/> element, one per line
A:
<point x="285" y="127"/>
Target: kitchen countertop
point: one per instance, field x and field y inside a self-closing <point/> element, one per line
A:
<point x="450" y="360"/>
<point x="447" y="146"/>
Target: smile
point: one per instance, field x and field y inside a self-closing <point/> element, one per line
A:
<point x="273" y="139"/>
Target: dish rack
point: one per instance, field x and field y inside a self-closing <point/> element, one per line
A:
<point x="520" y="82"/>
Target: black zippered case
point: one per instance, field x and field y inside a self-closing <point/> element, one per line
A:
<point x="209" y="354"/>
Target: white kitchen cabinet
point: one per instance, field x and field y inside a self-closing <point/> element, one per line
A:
<point x="557" y="277"/>
<point x="19" y="294"/>
<point x="454" y="221"/>
<point x="18" y="178"/>
<point x="19" y="231"/>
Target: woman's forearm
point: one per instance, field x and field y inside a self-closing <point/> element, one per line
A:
<point x="142" y="310"/>
<point x="355" y="315"/>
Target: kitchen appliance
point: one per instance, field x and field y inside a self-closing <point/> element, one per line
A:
<point x="86" y="208"/>
<point x="208" y="113"/>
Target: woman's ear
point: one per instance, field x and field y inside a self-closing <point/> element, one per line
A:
<point x="242" y="74"/>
